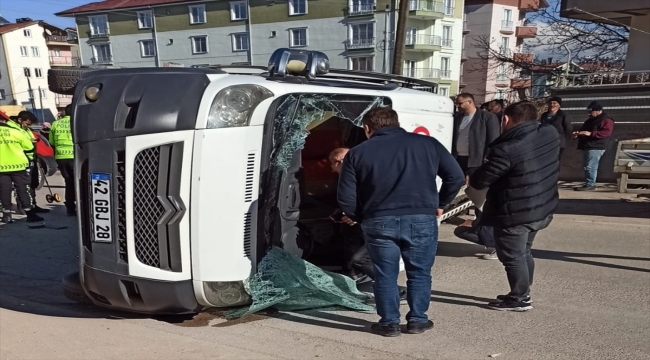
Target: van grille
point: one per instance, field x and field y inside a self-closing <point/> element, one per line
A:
<point x="121" y="206"/>
<point x="147" y="210"/>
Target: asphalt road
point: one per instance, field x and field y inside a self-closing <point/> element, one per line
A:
<point x="591" y="298"/>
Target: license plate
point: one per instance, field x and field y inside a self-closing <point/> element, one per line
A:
<point x="100" y="187"/>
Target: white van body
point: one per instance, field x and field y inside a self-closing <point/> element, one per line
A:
<point x="185" y="227"/>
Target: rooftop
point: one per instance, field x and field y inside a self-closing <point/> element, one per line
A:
<point x="107" y="5"/>
<point x="11" y="27"/>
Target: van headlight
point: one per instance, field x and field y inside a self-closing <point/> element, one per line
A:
<point x="226" y="294"/>
<point x="234" y="105"/>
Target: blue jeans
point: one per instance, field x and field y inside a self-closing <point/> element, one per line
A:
<point x="590" y="160"/>
<point x="415" y="239"/>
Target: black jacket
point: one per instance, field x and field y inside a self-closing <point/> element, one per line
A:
<point x="561" y="123"/>
<point x="394" y="173"/>
<point x="485" y="127"/>
<point x="521" y="173"/>
<point x="601" y="128"/>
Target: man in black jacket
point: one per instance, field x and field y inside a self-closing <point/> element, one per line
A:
<point x="521" y="174"/>
<point x="388" y="185"/>
<point x="557" y="118"/>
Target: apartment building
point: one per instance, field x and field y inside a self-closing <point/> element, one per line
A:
<point x="28" y="50"/>
<point x="350" y="32"/>
<point x="503" y="23"/>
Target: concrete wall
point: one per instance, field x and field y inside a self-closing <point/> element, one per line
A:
<point x="5" y="77"/>
<point x="638" y="50"/>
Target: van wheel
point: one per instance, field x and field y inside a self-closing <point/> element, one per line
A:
<point x="72" y="289"/>
<point x="40" y="167"/>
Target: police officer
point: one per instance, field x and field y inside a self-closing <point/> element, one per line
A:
<point x="13" y="170"/>
<point x="26" y="119"/>
<point x="61" y="141"/>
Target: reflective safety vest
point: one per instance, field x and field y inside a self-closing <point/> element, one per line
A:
<point x="61" y="139"/>
<point x="13" y="145"/>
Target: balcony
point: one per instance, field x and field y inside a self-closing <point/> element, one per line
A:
<point x="361" y="9"/>
<point x="447" y="43"/>
<point x="605" y="11"/>
<point x="466" y="29"/>
<point x="521" y="82"/>
<point x="507" y="27"/>
<point x="56" y="40"/>
<point x="428" y="73"/>
<point x="62" y="100"/>
<point x="427" y="10"/>
<point x="423" y="43"/>
<point x="463" y="56"/>
<point x="102" y="60"/>
<point x="102" y="33"/>
<point x="532" y="5"/>
<point x="504" y="52"/>
<point x="360" y="43"/>
<point x="613" y="79"/>
<point x="523" y="58"/>
<point x="64" y="61"/>
<point x="502" y="81"/>
<point x="528" y="31"/>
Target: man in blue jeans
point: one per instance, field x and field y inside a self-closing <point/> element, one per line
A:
<point x="388" y="185"/>
<point x="593" y="138"/>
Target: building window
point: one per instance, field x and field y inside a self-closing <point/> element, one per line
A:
<point x="27" y="72"/>
<point x="2" y="94"/>
<point x="501" y="94"/>
<point x="38" y="73"/>
<point x="200" y="44"/>
<point x="147" y="48"/>
<point x="361" y="7"/>
<point x="297" y="37"/>
<point x="297" y="7"/>
<point x="35" y="51"/>
<point x="102" y="54"/>
<point x="364" y="63"/>
<point x="238" y="11"/>
<point x="56" y="53"/>
<point x="23" y="51"/>
<point x="446" y="36"/>
<point x="449" y="7"/>
<point x="98" y="25"/>
<point x="240" y="42"/>
<point x="362" y="35"/>
<point x="43" y="93"/>
<point x="445" y="73"/>
<point x="197" y="14"/>
<point x="410" y="68"/>
<point x="444" y="91"/>
<point x="504" y="49"/>
<point x="27" y="33"/>
<point x="145" y="19"/>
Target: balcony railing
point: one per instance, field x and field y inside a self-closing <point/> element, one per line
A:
<point x="65" y="60"/>
<point x="447" y="42"/>
<point x="100" y="33"/>
<point x="420" y="39"/>
<point x="465" y="27"/>
<point x="428" y="6"/>
<point x="507" y="25"/>
<point x="56" y="38"/>
<point x="427" y="73"/>
<point x="504" y="51"/>
<point x="502" y="80"/>
<point x="602" y="79"/>
<point x="360" y="43"/>
<point x="102" y="60"/>
<point x="361" y="9"/>
<point x="526" y="31"/>
<point x="62" y="100"/>
<point x="449" y="10"/>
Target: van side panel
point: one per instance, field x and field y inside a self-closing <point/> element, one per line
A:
<point x="225" y="186"/>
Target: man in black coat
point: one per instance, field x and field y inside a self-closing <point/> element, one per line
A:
<point x="521" y="174"/>
<point x="557" y="118"/>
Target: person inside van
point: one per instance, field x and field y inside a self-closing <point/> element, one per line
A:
<point x="358" y="263"/>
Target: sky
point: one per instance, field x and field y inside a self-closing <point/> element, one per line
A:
<point x="40" y="10"/>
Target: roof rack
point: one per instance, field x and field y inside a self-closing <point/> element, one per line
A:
<point x="338" y="74"/>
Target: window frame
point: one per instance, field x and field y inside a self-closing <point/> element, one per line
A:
<point x="234" y="41"/>
<point x="25" y="53"/>
<point x="110" y="49"/>
<point x="207" y="45"/>
<point x="3" y="94"/>
<point x="43" y="93"/>
<point x="36" y="52"/>
<point x="292" y="8"/>
<point x="142" y="26"/>
<point x="447" y="89"/>
<point x="104" y="17"/>
<point x="142" y="47"/>
<point x="204" y="14"/>
<point x="292" y="38"/>
<point x="38" y="73"/>
<point x="366" y="57"/>
<point x="447" y="41"/>
<point x="27" y="72"/>
<point x="27" y="33"/>
<point x="233" y="5"/>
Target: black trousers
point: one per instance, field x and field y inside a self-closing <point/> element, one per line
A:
<point x="20" y="180"/>
<point x="357" y="255"/>
<point x="33" y="181"/>
<point x="66" y="167"/>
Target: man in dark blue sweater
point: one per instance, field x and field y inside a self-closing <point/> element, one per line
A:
<point x="388" y="185"/>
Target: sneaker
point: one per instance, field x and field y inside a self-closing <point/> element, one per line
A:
<point x="527" y="300"/>
<point x="40" y="210"/>
<point x="390" y="330"/>
<point x="491" y="256"/>
<point x="419" y="328"/>
<point x="71" y="212"/>
<point x="585" y="188"/>
<point x="32" y="217"/>
<point x="509" y="305"/>
<point x="6" y="218"/>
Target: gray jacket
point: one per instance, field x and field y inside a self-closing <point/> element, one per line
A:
<point x="483" y="130"/>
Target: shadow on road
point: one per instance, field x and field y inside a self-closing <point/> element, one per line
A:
<point x="600" y="207"/>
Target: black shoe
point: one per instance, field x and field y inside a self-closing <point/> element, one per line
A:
<point x="419" y="328"/>
<point x="40" y="210"/>
<point x="390" y="330"/>
<point x="6" y="218"/>
<point x="71" y="212"/>
<point x="510" y="305"/>
<point x="585" y="188"/>
<point x="505" y="297"/>
<point x="32" y="217"/>
<point x="402" y="294"/>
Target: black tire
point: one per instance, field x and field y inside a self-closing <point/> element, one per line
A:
<point x="64" y="81"/>
<point x="41" y="168"/>
<point x="72" y="289"/>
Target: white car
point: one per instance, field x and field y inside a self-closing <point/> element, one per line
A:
<point x="187" y="176"/>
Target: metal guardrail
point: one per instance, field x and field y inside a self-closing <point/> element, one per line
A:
<point x="360" y="43"/>
<point x="427" y="73"/>
<point x="420" y="39"/>
<point x="102" y="60"/>
<point x="424" y="5"/>
<point x="609" y="78"/>
<point x="507" y="25"/>
<point x="361" y="9"/>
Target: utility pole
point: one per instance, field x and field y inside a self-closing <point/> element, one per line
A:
<point x="30" y="91"/>
<point x="40" y="99"/>
<point x="400" y="37"/>
<point x="387" y="40"/>
<point x="155" y="35"/>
